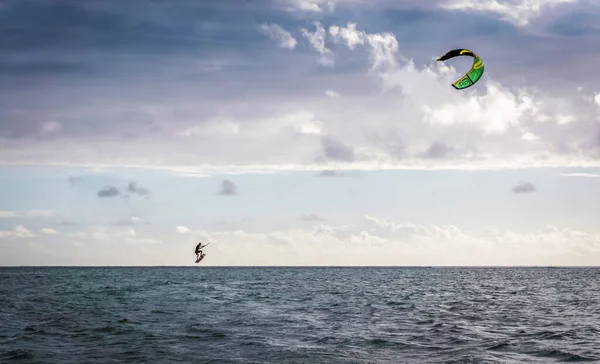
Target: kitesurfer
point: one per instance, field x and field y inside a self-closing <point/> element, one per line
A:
<point x="198" y="251"/>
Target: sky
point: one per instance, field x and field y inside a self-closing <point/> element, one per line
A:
<point x="299" y="133"/>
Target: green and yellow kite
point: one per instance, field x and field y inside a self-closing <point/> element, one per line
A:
<point x="474" y="74"/>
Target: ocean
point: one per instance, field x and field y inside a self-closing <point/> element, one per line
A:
<point x="299" y="315"/>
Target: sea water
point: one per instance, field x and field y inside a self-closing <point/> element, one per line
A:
<point x="299" y="315"/>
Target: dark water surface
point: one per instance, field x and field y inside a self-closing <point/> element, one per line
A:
<point x="299" y="315"/>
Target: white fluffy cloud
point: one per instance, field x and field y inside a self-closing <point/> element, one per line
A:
<point x="494" y="112"/>
<point x="183" y="229"/>
<point x="518" y="12"/>
<point x="18" y="231"/>
<point x="382" y="47"/>
<point x="374" y="241"/>
<point x="349" y="34"/>
<point x="282" y="37"/>
<point x="310" y="6"/>
<point x="530" y="137"/>
<point x="317" y="41"/>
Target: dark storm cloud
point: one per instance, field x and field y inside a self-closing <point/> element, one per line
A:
<point x="331" y="173"/>
<point x="312" y="218"/>
<point x="336" y="173"/>
<point x="524" y="187"/>
<point x="438" y="150"/>
<point x="133" y="188"/>
<point x="336" y="150"/>
<point x="109" y="191"/>
<point x="228" y="188"/>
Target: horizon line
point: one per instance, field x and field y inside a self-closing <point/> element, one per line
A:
<point x="300" y="266"/>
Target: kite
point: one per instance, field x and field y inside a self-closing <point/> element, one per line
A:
<point x="474" y="74"/>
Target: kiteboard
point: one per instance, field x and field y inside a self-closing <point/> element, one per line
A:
<point x="200" y="258"/>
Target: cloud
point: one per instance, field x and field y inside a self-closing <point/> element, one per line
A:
<point x="126" y="235"/>
<point x="51" y="127"/>
<point x="382" y="47"/>
<point x="131" y="221"/>
<point x="310" y="6"/>
<point x="336" y="150"/>
<point x="29" y="213"/>
<point x="144" y="241"/>
<point x="317" y="41"/>
<point x="524" y="187"/>
<point x="385" y="243"/>
<point x="245" y="117"/>
<point x="331" y="173"/>
<point x="312" y="218"/>
<point x="109" y="191"/>
<point x="597" y="99"/>
<point x="530" y="137"/>
<point x="228" y="188"/>
<point x="585" y="175"/>
<point x="183" y="229"/>
<point x="349" y="35"/>
<point x="19" y="232"/>
<point x="438" y="150"/>
<point x="66" y="222"/>
<point x="282" y="37"/>
<point x="332" y="94"/>
<point x="373" y="241"/>
<point x="518" y="12"/>
<point x="495" y="112"/>
<point x="48" y="231"/>
<point x="564" y="119"/>
<point x="133" y="188"/>
<point x="304" y="123"/>
<point x="74" y="180"/>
